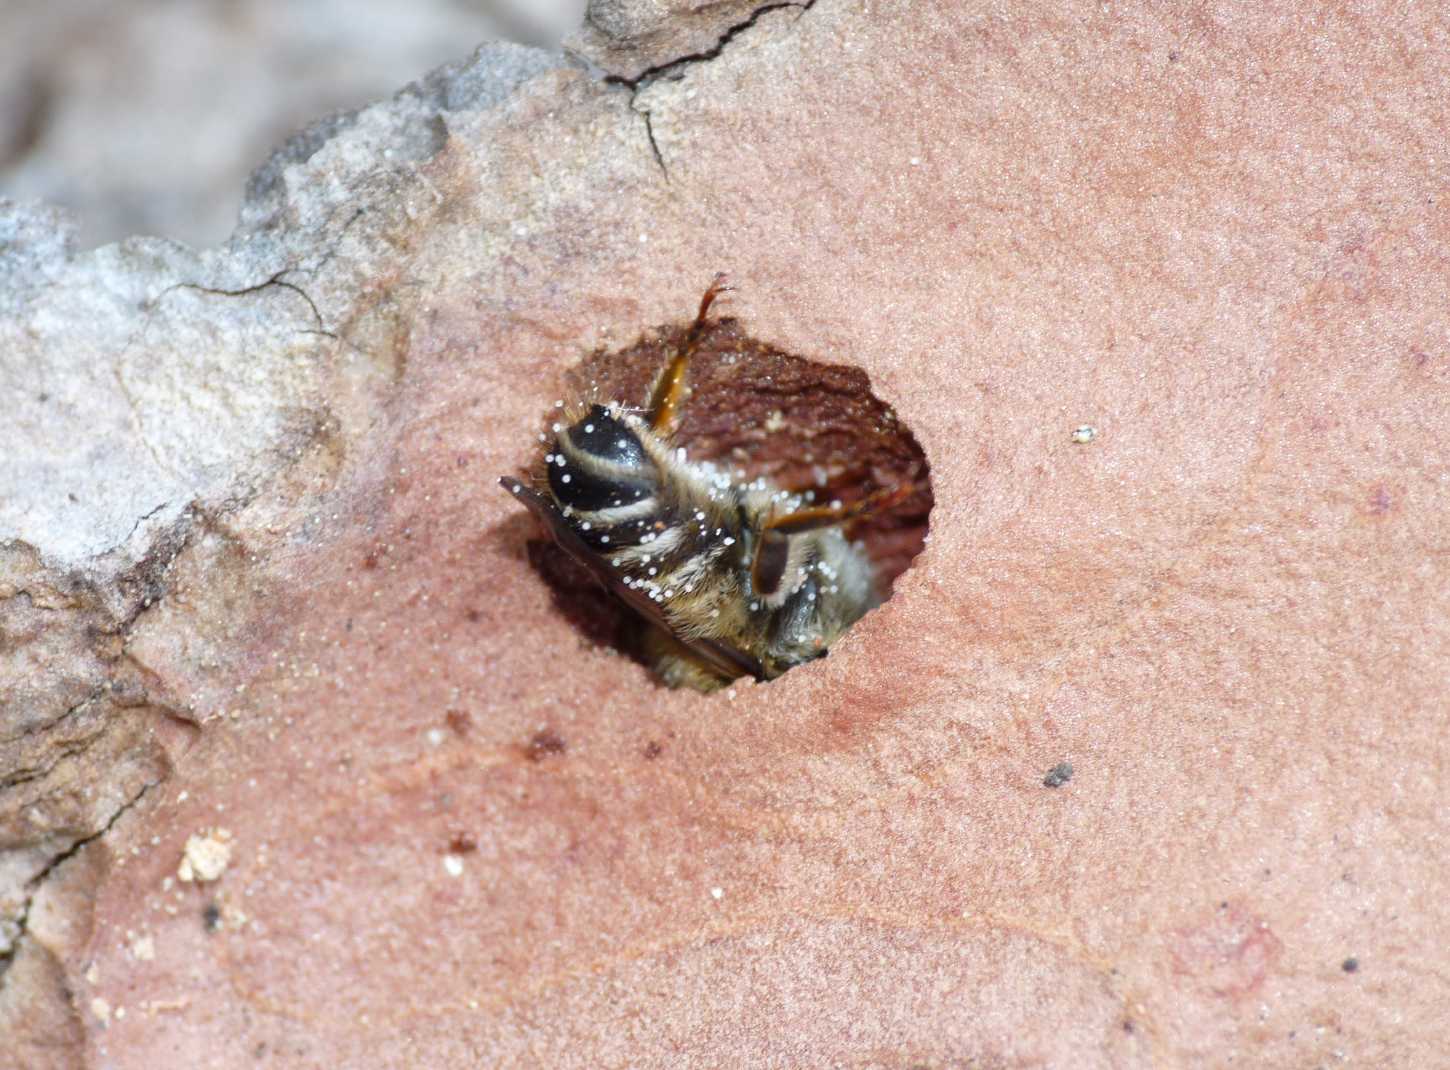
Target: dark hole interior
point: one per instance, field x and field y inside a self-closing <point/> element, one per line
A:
<point x="757" y="411"/>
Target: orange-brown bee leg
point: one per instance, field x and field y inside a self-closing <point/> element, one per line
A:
<point x="669" y="388"/>
<point x="825" y="516"/>
<point x="772" y="549"/>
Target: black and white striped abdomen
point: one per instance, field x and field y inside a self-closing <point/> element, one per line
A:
<point x="606" y="483"/>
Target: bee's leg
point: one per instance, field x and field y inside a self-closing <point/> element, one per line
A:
<point x="669" y="388"/>
<point x="772" y="549"/>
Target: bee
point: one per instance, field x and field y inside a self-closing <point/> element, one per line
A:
<point x="733" y="579"/>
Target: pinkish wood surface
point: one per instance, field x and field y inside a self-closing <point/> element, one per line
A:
<point x="1219" y="237"/>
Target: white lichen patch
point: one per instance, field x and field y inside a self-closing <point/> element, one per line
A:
<point x="206" y="855"/>
<point x="143" y="948"/>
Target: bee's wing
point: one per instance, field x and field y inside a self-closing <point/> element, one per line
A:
<point x="725" y="659"/>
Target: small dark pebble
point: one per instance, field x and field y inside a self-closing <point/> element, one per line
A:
<point x="211" y="917"/>
<point x="652" y="750"/>
<point x="1058" y="775"/>
<point x="1349" y="965"/>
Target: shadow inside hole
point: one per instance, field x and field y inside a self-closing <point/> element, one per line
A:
<point x="756" y="411"/>
<point x="582" y="601"/>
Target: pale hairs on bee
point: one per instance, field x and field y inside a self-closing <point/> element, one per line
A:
<point x="733" y="579"/>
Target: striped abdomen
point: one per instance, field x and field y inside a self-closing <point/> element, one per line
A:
<point x="601" y="475"/>
<point x="619" y="498"/>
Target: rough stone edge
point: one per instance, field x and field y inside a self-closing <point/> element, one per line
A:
<point x="106" y="595"/>
<point x="629" y="41"/>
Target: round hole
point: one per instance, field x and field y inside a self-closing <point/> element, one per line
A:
<point x="753" y="412"/>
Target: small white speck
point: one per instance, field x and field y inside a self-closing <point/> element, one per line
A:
<point x="1085" y="433"/>
<point x="559" y="404"/>
<point x="558" y="428"/>
<point x="916" y="161"/>
<point x="453" y="865"/>
<point x="435" y="737"/>
<point x="714" y="612"/>
<point x="543" y="437"/>
<point x="589" y="429"/>
<point x="699" y="515"/>
<point x="559" y="459"/>
<point x="643" y="238"/>
<point x="717" y="893"/>
<point x="604" y="538"/>
<point x="680" y="453"/>
<point x="548" y="458"/>
<point x="728" y="541"/>
<point x="585" y="525"/>
<point x="754" y="606"/>
<point x="565" y="478"/>
<point x="653" y="570"/>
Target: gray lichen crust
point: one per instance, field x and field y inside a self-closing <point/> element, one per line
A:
<point x="151" y="391"/>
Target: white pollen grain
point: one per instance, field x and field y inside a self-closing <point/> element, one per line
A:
<point x="728" y="541"/>
<point x="717" y="893"/>
<point x="559" y="460"/>
<point x="565" y="478"/>
<point x="453" y="865"/>
<point x="585" y="525"/>
<point x="652" y="571"/>
<point x="559" y="404"/>
<point x="604" y="538"/>
<point x="589" y="429"/>
<point x="558" y="428"/>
